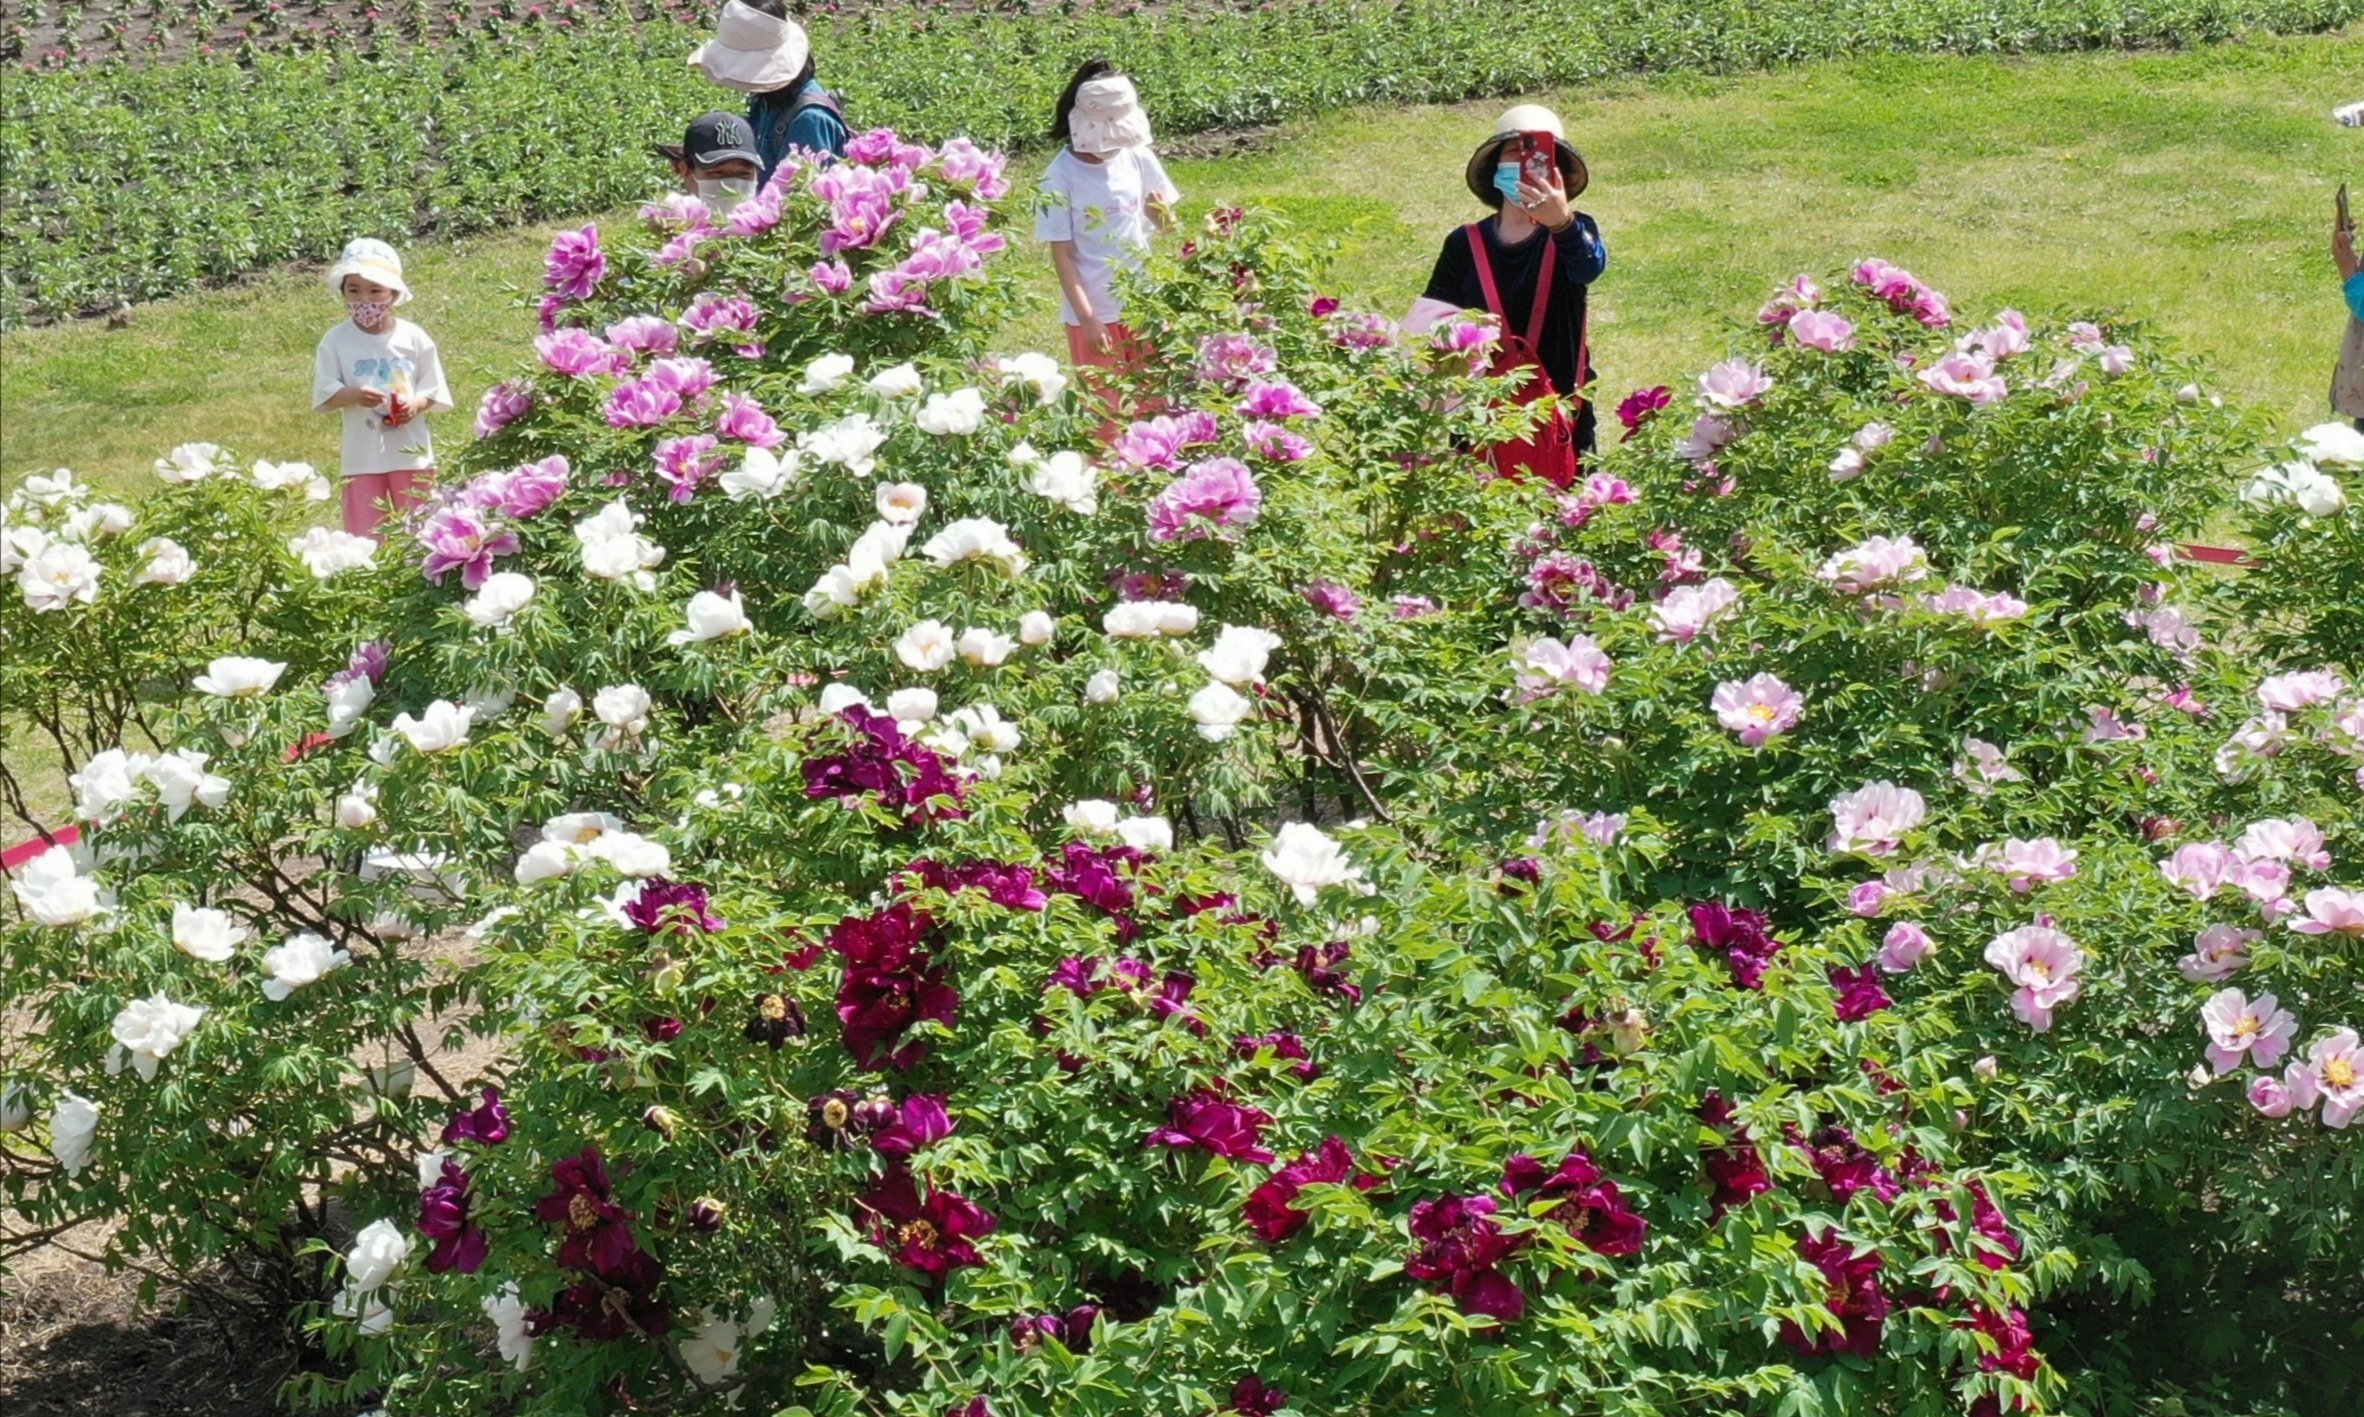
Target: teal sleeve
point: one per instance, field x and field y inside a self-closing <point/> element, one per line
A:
<point x="2355" y="293"/>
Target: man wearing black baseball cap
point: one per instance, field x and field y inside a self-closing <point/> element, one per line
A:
<point x="715" y="160"/>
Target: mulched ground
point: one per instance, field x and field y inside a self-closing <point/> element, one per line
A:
<point x="76" y="1340"/>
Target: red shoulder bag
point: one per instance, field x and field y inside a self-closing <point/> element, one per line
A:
<point x="1548" y="452"/>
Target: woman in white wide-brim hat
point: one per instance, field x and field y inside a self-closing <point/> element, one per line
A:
<point x="1529" y="266"/>
<point x="760" y="52"/>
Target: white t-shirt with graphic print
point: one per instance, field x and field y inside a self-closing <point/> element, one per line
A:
<point x="1103" y="207"/>
<point x="400" y="361"/>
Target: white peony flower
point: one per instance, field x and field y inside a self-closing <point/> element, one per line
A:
<point x="1101" y="688"/>
<point x="238" y="676"/>
<point x="545" y="861"/>
<point x="761" y="474"/>
<point x="514" y="1336"/>
<point x="975" y="539"/>
<point x="2339" y="444"/>
<point x="57" y="487"/>
<point x="1306" y="858"/>
<point x="954" y="415"/>
<point x="54" y="892"/>
<point x="283" y="476"/>
<point x="1238" y="654"/>
<point x="826" y="374"/>
<point x="711" y="617"/>
<point x="713" y="1349"/>
<point x="1038" y="372"/>
<point x="1065" y="478"/>
<point x="301" y="959"/>
<point x="624" y="708"/>
<point x="73" y="1123"/>
<point x="1146" y="833"/>
<point x="325" y="551"/>
<point x="875" y="551"/>
<point x="107" y="784"/>
<point x="983" y="648"/>
<point x="502" y="595"/>
<point x="911" y="705"/>
<point x="378" y="1251"/>
<point x="98" y="519"/>
<point x="1094" y="816"/>
<point x="901" y="503"/>
<point x="16" y="1110"/>
<point x="837" y="698"/>
<point x="192" y="462"/>
<point x="58" y="575"/>
<point x="147" y="1030"/>
<point x="926" y="646"/>
<point x="613" y="548"/>
<point x="169" y="562"/>
<point x="358" y="806"/>
<point x="17" y="543"/>
<point x="984" y="727"/>
<point x="631" y="854"/>
<point x="849" y="442"/>
<point x="560" y="707"/>
<point x="1217" y="709"/>
<point x="1148" y="619"/>
<point x="203" y="933"/>
<point x="348" y="699"/>
<point x="443" y="727"/>
<point x="902" y="381"/>
<point x="181" y="780"/>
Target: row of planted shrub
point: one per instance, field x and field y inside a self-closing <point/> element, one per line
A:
<point x="126" y="182"/>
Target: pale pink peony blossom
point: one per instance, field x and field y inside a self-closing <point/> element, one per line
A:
<point x="2335" y="1068"/>
<point x="1980" y="608"/>
<point x="2025" y="865"/>
<point x="2218" y="953"/>
<point x="1826" y="330"/>
<point x="1982" y="765"/>
<point x="1904" y="946"/>
<point x="2332" y="911"/>
<point x="2292" y="839"/>
<point x="1735" y="383"/>
<point x="1546" y="664"/>
<point x="2271" y="1096"/>
<point x="2042" y="963"/>
<point x="1757" y="708"/>
<point x="2200" y="867"/>
<point x="1967" y="376"/>
<point x="1689" y="611"/>
<point x="1873" y="819"/>
<point x="2242" y="1029"/>
<point x="2288" y="693"/>
<point x="1709" y="435"/>
<point x="1874" y="563"/>
<point x="1867" y="897"/>
<point x="2108" y="726"/>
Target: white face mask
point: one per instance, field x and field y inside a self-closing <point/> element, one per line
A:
<point x="720" y="194"/>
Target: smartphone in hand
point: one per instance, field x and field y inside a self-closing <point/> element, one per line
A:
<point x="2347" y="222"/>
<point x="1541" y="163"/>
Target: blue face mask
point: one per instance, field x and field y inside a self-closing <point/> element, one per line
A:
<point x="1506" y="180"/>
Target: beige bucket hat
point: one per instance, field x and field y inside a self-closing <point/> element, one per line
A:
<point x="371" y="259"/>
<point x="751" y="51"/>
<point x="1526" y="118"/>
<point x="1107" y="117"/>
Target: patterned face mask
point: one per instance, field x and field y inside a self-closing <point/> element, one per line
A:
<point x="368" y="312"/>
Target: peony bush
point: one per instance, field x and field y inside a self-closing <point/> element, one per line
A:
<point x="834" y="869"/>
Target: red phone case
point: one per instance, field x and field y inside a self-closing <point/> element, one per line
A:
<point x="1540" y="162"/>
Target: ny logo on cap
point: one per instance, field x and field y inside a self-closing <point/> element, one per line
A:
<point x="731" y="131"/>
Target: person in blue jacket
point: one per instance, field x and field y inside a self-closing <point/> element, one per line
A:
<point x="2347" y="381"/>
<point x="762" y="53"/>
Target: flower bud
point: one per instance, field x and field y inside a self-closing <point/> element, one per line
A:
<point x="707" y="1213"/>
<point x="1984" y="1068"/>
<point x="661" y="1120"/>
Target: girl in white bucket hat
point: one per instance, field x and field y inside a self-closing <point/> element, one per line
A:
<point x="1103" y="196"/>
<point x="762" y="53"/>
<point x="385" y="376"/>
<point x="1529" y="266"/>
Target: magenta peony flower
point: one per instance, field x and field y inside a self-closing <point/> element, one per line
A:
<point x="503" y="404"/>
<point x="882" y="146"/>
<point x="1735" y="383"/>
<point x="644" y="334"/>
<point x="1411" y="607"/>
<point x="2013" y="1340"/>
<point x="1457" y="1240"/>
<point x="1270" y="440"/>
<point x="1903" y="292"/>
<point x="683" y="463"/>
<point x="686" y="376"/>
<point x="1285" y="1047"/>
<point x="907" y="776"/>
<point x="1229" y="361"/>
<point x="1855" y="1298"/>
<point x="579" y="353"/>
<point x="1005" y="884"/>
<point x="743" y="420"/>
<point x="640" y="404"/>
<point x="758" y="214"/>
<point x="832" y="277"/>
<point x="575" y="264"/>
<point x="2242" y="1030"/>
<point x="920" y="1121"/>
<point x="1903" y="947"/>
<point x="1736" y="1170"/>
<point x="896" y="292"/>
<point x="1740" y="935"/>
<point x="1277" y="399"/>
<point x="2043" y="963"/>
<point x="663" y="907"/>
<point x="1203" y="1118"/>
<point x="460" y="1243"/>
<point x="1589" y="1205"/>
<point x="1638" y="407"/>
<point x="712" y="316"/>
<point x="487" y="1122"/>
<point x="932" y="1235"/>
<point x="890" y="982"/>
<point x="1757" y="708"/>
<point x="456" y="538"/>
<point x="1269" y="1209"/>
<point x="1860" y="994"/>
<point x="1332" y="599"/>
<point x="530" y="488"/>
<point x="1216" y="493"/>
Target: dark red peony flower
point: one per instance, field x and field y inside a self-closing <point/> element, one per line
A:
<point x="1286" y="1047"/>
<point x="974" y="1407"/>
<point x="1860" y="994"/>
<point x="1268" y="1209"/>
<point x="774" y="1020"/>
<point x="1251" y="1396"/>
<point x="1986" y="1218"/>
<point x="664" y="907"/>
<point x="1171" y="1000"/>
<point x="1737" y="1171"/>
<point x="1589" y="1204"/>
<point x="1457" y="1240"/>
<point x="1526" y="869"/>
<point x="443" y="1217"/>
<point x="619" y="1302"/>
<point x="2015" y="1342"/>
<point x="1100" y="876"/>
<point x="488" y="1122"/>
<point x="1005" y="883"/>
<point x="1852" y="1294"/>
<point x="1845" y="1165"/>
<point x="1740" y="935"/>
<point x="1079" y="975"/>
<point x="931" y="1235"/>
<point x="906" y="776"/>
<point x="889" y="984"/>
<point x="598" y="1235"/>
<point x="920" y="1121"/>
<point x="1322" y="968"/>
<point x="1204" y="1118"/>
<point x="1072" y="1330"/>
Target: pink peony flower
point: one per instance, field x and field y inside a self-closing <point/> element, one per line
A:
<point x="2240" y="1029"/>
<point x="1277" y="399"/>
<point x="1978" y="607"/>
<point x="457" y="539"/>
<point x="1735" y="383"/>
<point x="833" y="277"/>
<point x="1875" y="562"/>
<point x="502" y="405"/>
<point x="1231" y="360"/>
<point x="2270" y="1095"/>
<point x="1411" y="607"/>
<point x="759" y="213"/>
<point x="529" y="488"/>
<point x="2199" y="867"/>
<point x="640" y="403"/>
<point x="2026" y="865"/>
<point x="1968" y="376"/>
<point x="1332" y="599"/>
<point x="685" y="462"/>
<point x="715" y="316"/>
<point x="972" y="227"/>
<point x="676" y="212"/>
<point x="2085" y="337"/>
<point x="1709" y="435"/>
<point x="1903" y="947"/>
<point x="1218" y="492"/>
<point x="1873" y="819"/>
<point x="575" y="264"/>
<point x="1270" y="440"/>
<point x="1638" y="407"/>
<point x="2116" y="359"/>
<point x="1867" y="898"/>
<point x="2218" y="952"/>
<point x="1689" y="611"/>
<point x="1826" y="330"/>
<point x="1546" y="664"/>
<point x="2107" y="726"/>
<point x="2331" y="911"/>
<point x="644" y="334"/>
<point x="2292" y="839"/>
<point x="2335" y="1070"/>
<point x="1756" y="708"/>
<point x="2288" y="693"/>
<point x="1802" y="293"/>
<point x="1904" y="292"/>
<point x="577" y="353"/>
<point x="2043" y="963"/>
<point x="744" y="421"/>
<point x="964" y="164"/>
<point x="2006" y="337"/>
<point x="687" y="377"/>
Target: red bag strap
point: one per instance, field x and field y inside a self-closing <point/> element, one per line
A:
<point x="1485" y="275"/>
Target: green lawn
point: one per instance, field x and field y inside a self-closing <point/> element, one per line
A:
<point x="2192" y="190"/>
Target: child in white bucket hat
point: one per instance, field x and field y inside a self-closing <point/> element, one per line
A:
<point x="1103" y="196"/>
<point x="384" y="375"/>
